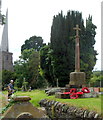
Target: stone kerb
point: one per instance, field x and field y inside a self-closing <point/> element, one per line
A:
<point x="22" y="108"/>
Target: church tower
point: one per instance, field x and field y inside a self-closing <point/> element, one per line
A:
<point x="6" y="57"/>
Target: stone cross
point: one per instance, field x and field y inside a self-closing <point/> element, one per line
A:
<point x="77" y="50"/>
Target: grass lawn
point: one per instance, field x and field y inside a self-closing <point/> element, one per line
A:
<point x="86" y="103"/>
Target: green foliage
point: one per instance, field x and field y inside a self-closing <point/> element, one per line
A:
<point x="16" y="84"/>
<point x="97" y="79"/>
<point x="40" y="63"/>
<point x="6" y="77"/>
<point x="88" y="54"/>
<point x="63" y="46"/>
<point x="33" y="42"/>
<point x="27" y="67"/>
<point x="24" y="85"/>
<point x="46" y="64"/>
<point x="41" y="82"/>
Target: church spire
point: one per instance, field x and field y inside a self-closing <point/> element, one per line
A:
<point x="4" y="42"/>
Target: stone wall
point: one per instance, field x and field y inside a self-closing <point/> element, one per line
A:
<point x="59" y="110"/>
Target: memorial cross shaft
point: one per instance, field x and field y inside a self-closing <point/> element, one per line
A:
<point x="77" y="50"/>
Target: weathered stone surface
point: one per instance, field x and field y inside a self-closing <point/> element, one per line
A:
<point x="77" y="79"/>
<point x="86" y="113"/>
<point x="64" y="111"/>
<point x="96" y="115"/>
<point x="22" y="108"/>
<point x="52" y="91"/>
<point x="64" y="89"/>
<point x="22" y="98"/>
<point x="91" y="114"/>
<point x="65" y="108"/>
<point x="56" y="103"/>
<point x="25" y="115"/>
<point x="62" y="95"/>
<point x="90" y="95"/>
<point x="6" y="60"/>
<point x="79" y="112"/>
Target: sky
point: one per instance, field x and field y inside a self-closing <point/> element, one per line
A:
<point x="27" y="18"/>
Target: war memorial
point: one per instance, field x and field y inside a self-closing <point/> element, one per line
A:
<point x="22" y="105"/>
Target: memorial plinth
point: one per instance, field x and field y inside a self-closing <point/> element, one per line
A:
<point x="77" y="79"/>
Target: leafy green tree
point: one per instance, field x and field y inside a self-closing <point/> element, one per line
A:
<point x="6" y="77"/>
<point x="28" y="67"/>
<point x="47" y="65"/>
<point x="33" y="42"/>
<point x="97" y="79"/>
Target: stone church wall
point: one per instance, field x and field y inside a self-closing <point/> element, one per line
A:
<point x="6" y="61"/>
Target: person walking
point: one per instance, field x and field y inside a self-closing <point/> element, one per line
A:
<point x="10" y="89"/>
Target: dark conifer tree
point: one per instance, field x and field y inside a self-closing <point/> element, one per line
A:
<point x="63" y="45"/>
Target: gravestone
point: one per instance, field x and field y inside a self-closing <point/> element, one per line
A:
<point x="77" y="78"/>
<point x="22" y="108"/>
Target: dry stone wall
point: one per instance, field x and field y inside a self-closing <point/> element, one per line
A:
<point x="57" y="110"/>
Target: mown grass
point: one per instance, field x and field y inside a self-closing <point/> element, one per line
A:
<point x="93" y="104"/>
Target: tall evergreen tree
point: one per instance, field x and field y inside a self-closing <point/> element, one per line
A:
<point x="88" y="54"/>
<point x="63" y="45"/>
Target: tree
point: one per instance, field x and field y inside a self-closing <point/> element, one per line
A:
<point x="2" y="17"/>
<point x="46" y="64"/>
<point x="6" y="77"/>
<point x="88" y="54"/>
<point x="63" y="45"/>
<point x="28" y="67"/>
<point x="97" y="79"/>
<point x="33" y="42"/>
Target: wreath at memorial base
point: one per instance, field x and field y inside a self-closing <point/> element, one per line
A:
<point x="74" y="94"/>
<point x="85" y="90"/>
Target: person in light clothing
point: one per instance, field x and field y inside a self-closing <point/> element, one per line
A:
<point x="10" y="88"/>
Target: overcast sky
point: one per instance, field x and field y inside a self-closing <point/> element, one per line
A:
<point x="34" y="17"/>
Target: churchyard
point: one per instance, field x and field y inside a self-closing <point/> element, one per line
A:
<point x="90" y="104"/>
<point x="55" y="80"/>
<point x="86" y="103"/>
